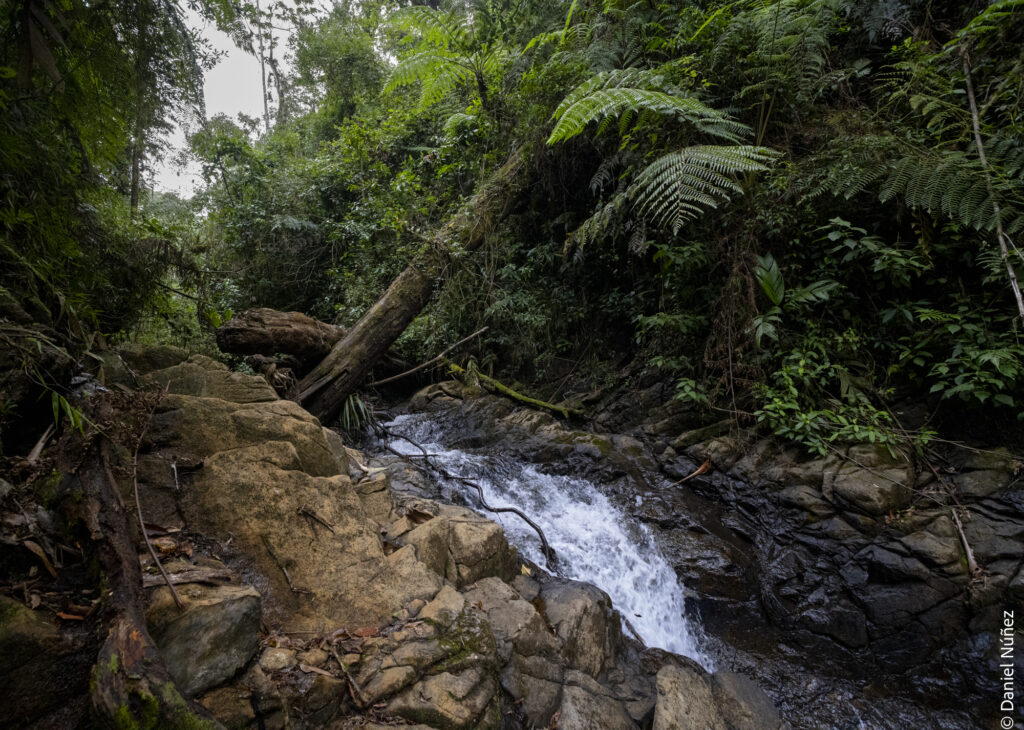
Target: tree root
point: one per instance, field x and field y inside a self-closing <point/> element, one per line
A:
<point x="130" y="685"/>
<point x="546" y="549"/>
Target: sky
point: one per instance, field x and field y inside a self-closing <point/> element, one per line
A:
<point x="232" y="86"/>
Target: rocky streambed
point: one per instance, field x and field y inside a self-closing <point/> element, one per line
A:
<point x="322" y="588"/>
<point x="327" y="587"/>
<point x="841" y="584"/>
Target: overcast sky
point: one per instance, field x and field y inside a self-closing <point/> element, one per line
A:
<point x="233" y="86"/>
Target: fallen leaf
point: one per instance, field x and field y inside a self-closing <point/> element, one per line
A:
<point x="70" y="616"/>
<point x="34" y="600"/>
<point x="525" y="570"/>
<point x="38" y="552"/>
<point x="165" y="545"/>
<point x="365" y="631"/>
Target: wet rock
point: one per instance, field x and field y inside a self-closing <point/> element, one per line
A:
<point x="807" y="498"/>
<point x="994" y="538"/>
<point x="478" y="547"/>
<point x="723" y="452"/>
<point x="982" y="483"/>
<point x="445" y="607"/>
<point x="535" y="683"/>
<point x="937" y="545"/>
<point x="742" y="704"/>
<point x="200" y="376"/>
<point x="581" y="710"/>
<point x="685" y="700"/>
<point x="876" y="491"/>
<point x="211" y="639"/>
<point x="515" y="623"/>
<point x="447" y="700"/>
<point x="583" y="619"/>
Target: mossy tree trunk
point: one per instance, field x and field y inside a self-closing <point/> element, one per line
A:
<point x="130" y="685"/>
<point x="324" y="390"/>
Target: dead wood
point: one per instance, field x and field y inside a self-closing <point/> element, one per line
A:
<point x="324" y="390"/>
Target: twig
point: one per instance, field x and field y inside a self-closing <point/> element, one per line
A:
<point x="104" y="453"/>
<point x="428" y="363"/>
<point x="546" y="549"/>
<point x="357" y="693"/>
<point x="307" y="512"/>
<point x="280" y="564"/>
<point x="972" y="564"/>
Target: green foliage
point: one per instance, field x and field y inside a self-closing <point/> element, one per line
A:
<point x="355" y="414"/>
<point x="853" y="267"/>
<point x="450" y="54"/>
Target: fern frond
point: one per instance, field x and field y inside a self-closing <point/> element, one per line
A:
<point x="599" y="103"/>
<point x="679" y="186"/>
<point x="436" y="27"/>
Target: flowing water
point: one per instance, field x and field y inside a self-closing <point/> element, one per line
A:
<point x="595" y="541"/>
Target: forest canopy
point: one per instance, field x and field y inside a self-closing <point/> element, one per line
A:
<point x="803" y="214"/>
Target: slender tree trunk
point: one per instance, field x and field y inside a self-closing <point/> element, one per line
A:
<point x="324" y="390"/>
<point x="263" y="67"/>
<point x="1000" y="233"/>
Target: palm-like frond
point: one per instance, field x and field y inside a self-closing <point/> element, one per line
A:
<point x="614" y="93"/>
<point x="680" y="186"/>
<point x="438" y="28"/>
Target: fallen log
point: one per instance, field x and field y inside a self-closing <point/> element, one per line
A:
<point x="285" y="341"/>
<point x="267" y="331"/>
<point x="324" y="389"/>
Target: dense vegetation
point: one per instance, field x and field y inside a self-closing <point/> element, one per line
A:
<point x="801" y="212"/>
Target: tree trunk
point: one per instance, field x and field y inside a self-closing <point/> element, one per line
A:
<point x="130" y="684"/>
<point x="324" y="390"/>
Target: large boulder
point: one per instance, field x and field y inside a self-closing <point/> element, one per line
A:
<point x="211" y="638"/>
<point x="321" y="557"/>
<point x="207" y="378"/>
<point x="685" y="701"/>
<point x="583" y="618"/>
<point x="198" y="427"/>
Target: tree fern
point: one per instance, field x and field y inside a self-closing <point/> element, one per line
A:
<point x="449" y="55"/>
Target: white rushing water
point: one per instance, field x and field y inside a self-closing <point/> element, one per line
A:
<point x="595" y="541"/>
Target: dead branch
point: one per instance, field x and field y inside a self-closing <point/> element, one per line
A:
<point x="430" y="362"/>
<point x="546" y="549"/>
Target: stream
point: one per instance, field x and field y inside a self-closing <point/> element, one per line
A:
<point x="594" y="540"/>
<point x="597" y="539"/>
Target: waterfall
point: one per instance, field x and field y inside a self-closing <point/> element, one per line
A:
<point x="595" y="540"/>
